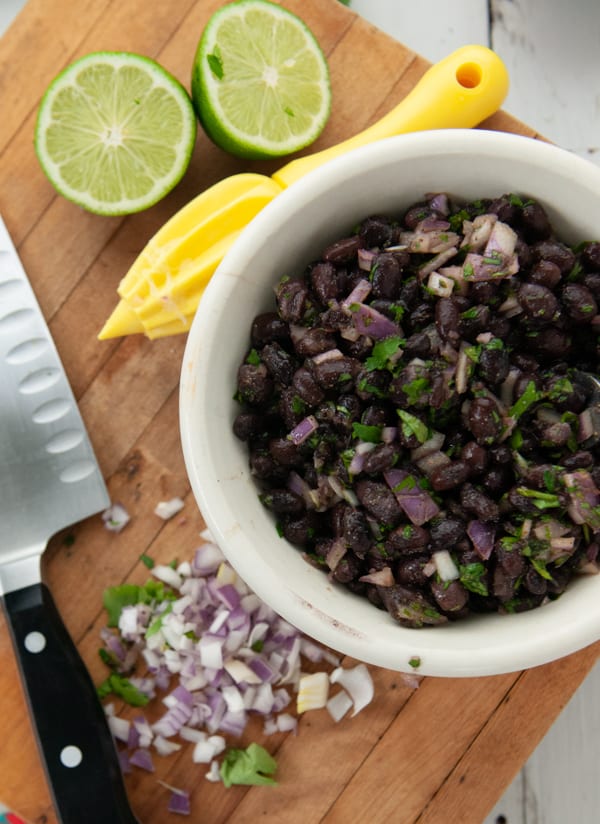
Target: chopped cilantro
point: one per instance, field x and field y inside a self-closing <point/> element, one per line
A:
<point x="298" y="405"/>
<point x="116" y="684"/>
<point x="549" y="480"/>
<point x="363" y="385"/>
<point x="516" y="439"/>
<point x="115" y="598"/>
<point x="540" y="568"/>
<point x="456" y="220"/>
<point x="372" y="434"/>
<point x="253" y="357"/>
<point x="542" y="500"/>
<point x="411" y="425"/>
<point x="561" y="390"/>
<point x="253" y="765"/>
<point x="279" y="528"/>
<point x="414" y="662"/>
<point x="156" y="625"/>
<point x="147" y="561"/>
<point x="406" y="483"/>
<point x="471" y="313"/>
<point x="415" y="389"/>
<point x="527" y="399"/>
<point x="468" y="270"/>
<point x="382" y="352"/>
<point x="471" y="578"/>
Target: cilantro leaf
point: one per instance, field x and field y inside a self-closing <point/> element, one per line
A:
<point x="117" y="685"/>
<point x="253" y="765"/>
<point x="411" y="425"/>
<point x="115" y="598"/>
<point x="372" y="434"/>
<point x="382" y="353"/>
<point x="471" y="578"/>
<point x="527" y="399"/>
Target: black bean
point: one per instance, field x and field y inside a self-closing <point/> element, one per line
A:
<point x="285" y="452"/>
<point x="501" y="454"/>
<point x="446" y="532"/>
<point x="375" y="415"/>
<point x="579" y="302"/>
<point x="493" y="366"/>
<point x="550" y="343"/>
<point x="410" y="293"/>
<point x="545" y="273"/>
<point x="535" y="222"/>
<point x="590" y="257"/>
<point x="449" y="476"/>
<point x="347" y="569"/>
<point x="556" y="252"/>
<point x="534" y="582"/>
<point x="506" y="209"/>
<point x="291" y="407"/>
<point x="375" y="231"/>
<point x="356" y="532"/>
<point x="248" y="424"/>
<point x="450" y="596"/>
<point x="282" y="501"/>
<point x="421" y="316"/>
<point x="522" y="503"/>
<point x="416" y="214"/>
<point x="253" y="383"/>
<point x="474" y="320"/>
<point x="447" y="319"/>
<point x="279" y="363"/>
<point x="511" y="560"/>
<point x="475" y="456"/>
<point x="386" y="277"/>
<point x="314" y="342"/>
<point x="484" y="421"/>
<point x="342" y="251"/>
<point x="269" y="327"/>
<point x="410" y="607"/>
<point x="408" y="539"/>
<point x="477" y="503"/>
<point x="592" y="281"/>
<point x="579" y="460"/>
<point x="383" y="457"/>
<point x="379" y="501"/>
<point x="335" y="373"/>
<point x="537" y="302"/>
<point x="497" y="479"/>
<point x="418" y="345"/>
<point x="307" y="388"/>
<point x="291" y="300"/>
<point x="324" y="281"/>
<point x="410" y="571"/>
<point x="483" y="292"/>
<point x="301" y="530"/>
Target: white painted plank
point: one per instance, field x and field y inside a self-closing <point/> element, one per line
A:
<point x="552" y="51"/>
<point x="559" y="784"/>
<point x="432" y="28"/>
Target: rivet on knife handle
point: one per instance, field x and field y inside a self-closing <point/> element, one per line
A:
<point x="79" y="753"/>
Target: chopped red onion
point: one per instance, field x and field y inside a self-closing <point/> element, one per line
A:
<point x="304" y="430"/>
<point x="179" y="802"/>
<point x="432" y="444"/>
<point x="361" y="291"/>
<point x="382" y="577"/>
<point x="417" y="504"/>
<point x="584" y="498"/>
<point x="432" y="268"/>
<point x="368" y="321"/>
<point x="482" y="536"/>
<point x="455" y="273"/>
<point x="429" y="242"/>
<point x="477" y="232"/>
<point x="586" y="426"/>
<point x="365" y="259"/>
<point x="141" y="758"/>
<point x="330" y="354"/>
<point x="439" y="202"/>
<point x="389" y="434"/>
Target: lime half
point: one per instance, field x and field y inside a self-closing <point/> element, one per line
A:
<point x="115" y="132"/>
<point x="260" y="82"/>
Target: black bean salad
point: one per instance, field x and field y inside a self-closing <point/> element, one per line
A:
<point x="415" y="415"/>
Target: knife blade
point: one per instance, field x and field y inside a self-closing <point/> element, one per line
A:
<point x="49" y="479"/>
<point x="161" y="291"/>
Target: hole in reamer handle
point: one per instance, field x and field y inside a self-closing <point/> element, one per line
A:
<point x="469" y="75"/>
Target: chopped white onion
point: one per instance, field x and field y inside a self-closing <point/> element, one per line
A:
<point x="357" y="682"/>
<point x="440" y="285"/>
<point x="446" y="568"/>
<point x="338" y="705"/>
<point x="167" y="509"/>
<point x="115" y="518"/>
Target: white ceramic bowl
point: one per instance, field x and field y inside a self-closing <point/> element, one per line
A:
<point x="382" y="178"/>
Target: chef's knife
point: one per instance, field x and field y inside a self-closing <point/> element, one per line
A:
<point x="49" y="479"/>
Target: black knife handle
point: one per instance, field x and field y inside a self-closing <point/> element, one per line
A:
<point x="76" y="744"/>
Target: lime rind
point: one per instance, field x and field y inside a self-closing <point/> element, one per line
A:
<point x="115" y="132"/>
<point x="260" y="83"/>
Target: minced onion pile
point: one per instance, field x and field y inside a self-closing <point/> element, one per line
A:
<point x="415" y="415"/>
<point x="221" y="655"/>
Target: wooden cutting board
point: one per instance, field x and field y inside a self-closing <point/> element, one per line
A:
<point x="441" y="753"/>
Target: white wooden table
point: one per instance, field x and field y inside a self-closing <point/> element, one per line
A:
<point x="552" y="51"/>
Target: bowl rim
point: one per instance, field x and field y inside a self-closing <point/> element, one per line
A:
<point x="540" y="639"/>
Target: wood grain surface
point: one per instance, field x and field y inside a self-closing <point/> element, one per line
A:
<point x="438" y="754"/>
